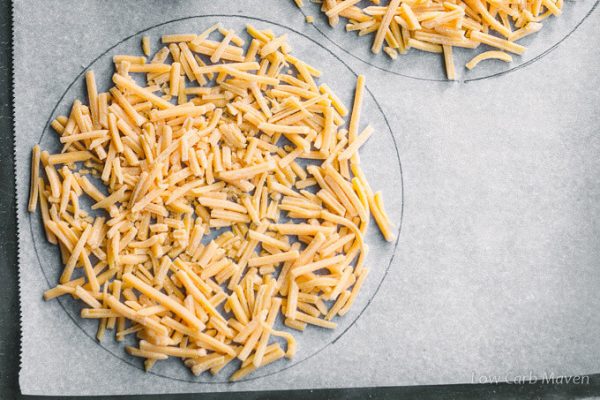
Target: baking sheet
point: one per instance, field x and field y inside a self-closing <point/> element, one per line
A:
<point x="495" y="273"/>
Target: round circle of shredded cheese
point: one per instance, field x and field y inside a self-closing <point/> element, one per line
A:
<point x="437" y="26"/>
<point x="232" y="196"/>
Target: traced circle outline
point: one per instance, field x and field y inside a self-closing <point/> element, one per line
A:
<point x="495" y="75"/>
<point x="342" y="333"/>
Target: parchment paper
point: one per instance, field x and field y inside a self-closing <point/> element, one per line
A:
<point x="495" y="275"/>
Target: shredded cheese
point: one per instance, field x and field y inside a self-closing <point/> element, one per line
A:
<point x="498" y="55"/>
<point x="437" y="26"/>
<point x="206" y="222"/>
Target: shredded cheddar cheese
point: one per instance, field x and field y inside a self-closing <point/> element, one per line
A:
<point x="226" y="194"/>
<point x="437" y="26"/>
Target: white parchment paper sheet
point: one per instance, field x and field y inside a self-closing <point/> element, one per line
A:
<point x="496" y="271"/>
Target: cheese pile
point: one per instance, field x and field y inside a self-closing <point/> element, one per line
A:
<point x="437" y="26"/>
<point x="227" y="194"/>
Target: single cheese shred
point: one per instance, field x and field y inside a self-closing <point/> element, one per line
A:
<point x="226" y="195"/>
